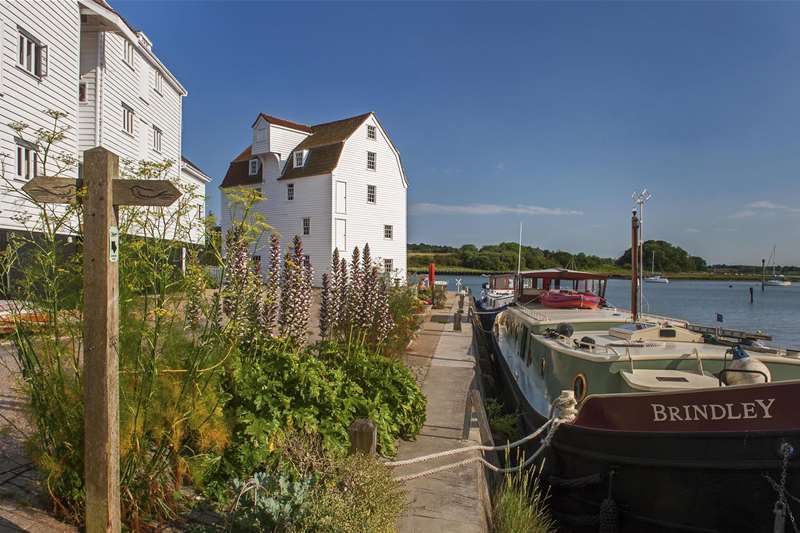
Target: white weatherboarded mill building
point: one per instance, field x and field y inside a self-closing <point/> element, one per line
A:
<point x="82" y="58"/>
<point x="337" y="185"/>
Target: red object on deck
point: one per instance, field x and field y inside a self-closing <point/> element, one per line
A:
<point x="570" y="300"/>
<point x="431" y="275"/>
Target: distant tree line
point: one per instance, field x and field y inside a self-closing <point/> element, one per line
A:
<point x="503" y="258"/>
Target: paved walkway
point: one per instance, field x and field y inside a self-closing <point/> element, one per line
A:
<point x="456" y="500"/>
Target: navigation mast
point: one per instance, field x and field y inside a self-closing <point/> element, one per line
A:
<point x="640" y="198"/>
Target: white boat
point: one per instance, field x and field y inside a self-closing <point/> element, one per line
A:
<point x="777" y="280"/>
<point x="655" y="278"/>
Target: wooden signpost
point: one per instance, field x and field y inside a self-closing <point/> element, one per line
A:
<point x="104" y="194"/>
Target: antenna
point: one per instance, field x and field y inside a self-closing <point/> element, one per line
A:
<point x="641" y="198"/>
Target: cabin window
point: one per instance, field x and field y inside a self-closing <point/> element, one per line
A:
<point x="159" y="85"/>
<point x="32" y="56"/>
<point x="82" y="92"/>
<point x="371" y="132"/>
<point x="299" y="159"/>
<point x="27" y="160"/>
<point x="127" y="119"/>
<point x="254" y="167"/>
<point x="579" y="387"/>
<point x="388" y="265"/>
<point x="388" y="232"/>
<point x="156" y="139"/>
<point x="307" y="226"/>
<point x="372" y="161"/>
<point x="127" y="52"/>
<point x="290" y="192"/>
<point x="372" y="194"/>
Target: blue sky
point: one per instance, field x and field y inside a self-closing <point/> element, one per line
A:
<point x="547" y="113"/>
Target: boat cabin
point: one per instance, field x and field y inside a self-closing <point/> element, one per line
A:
<point x="501" y="282"/>
<point x="534" y="282"/>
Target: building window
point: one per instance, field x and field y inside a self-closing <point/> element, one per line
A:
<point x="200" y="212"/>
<point x="32" y="55"/>
<point x="127" y="119"/>
<point x="127" y="52"/>
<point x="82" y="91"/>
<point x="290" y="191"/>
<point x="371" y="163"/>
<point x="306" y="260"/>
<point x="371" y="132"/>
<point x="371" y="194"/>
<point x="388" y="232"/>
<point x="27" y="161"/>
<point x="299" y="160"/>
<point x="306" y="226"/>
<point x="254" y="167"/>
<point x="159" y="83"/>
<point x="388" y="266"/>
<point x="156" y="139"/>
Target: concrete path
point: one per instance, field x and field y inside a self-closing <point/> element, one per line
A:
<point x="454" y="500"/>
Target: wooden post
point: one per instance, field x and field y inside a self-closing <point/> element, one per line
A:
<point x="457" y="321"/>
<point x="635" y="266"/>
<point x="101" y="336"/>
<point x="363" y="437"/>
<point x="763" y="274"/>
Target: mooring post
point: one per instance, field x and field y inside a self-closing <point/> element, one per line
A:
<point x="457" y="321"/>
<point x="363" y="437"/>
<point x="751" y="294"/>
<point x="101" y="337"/>
<point x="461" y="301"/>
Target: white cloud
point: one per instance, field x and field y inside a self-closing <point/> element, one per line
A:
<point x="765" y="204"/>
<point x="489" y="209"/>
<point x="743" y="214"/>
<point x="692" y="230"/>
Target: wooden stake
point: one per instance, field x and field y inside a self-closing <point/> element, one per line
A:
<point x="101" y="337"/>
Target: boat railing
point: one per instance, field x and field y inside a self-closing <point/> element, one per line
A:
<point x="538" y="315"/>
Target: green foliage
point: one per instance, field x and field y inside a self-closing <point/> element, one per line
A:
<point x="668" y="258"/>
<point x="520" y="506"/>
<point x="270" y="503"/>
<point x="503" y="425"/>
<point x="404" y="306"/>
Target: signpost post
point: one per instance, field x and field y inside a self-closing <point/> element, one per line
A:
<point x="104" y="194"/>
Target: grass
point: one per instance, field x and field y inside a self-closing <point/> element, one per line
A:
<point x="520" y="506"/>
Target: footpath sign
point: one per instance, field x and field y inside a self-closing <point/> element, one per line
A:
<point x="104" y="193"/>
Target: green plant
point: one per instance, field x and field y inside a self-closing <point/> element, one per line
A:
<point x="520" y="506"/>
<point x="268" y="502"/>
<point x="504" y="425"/>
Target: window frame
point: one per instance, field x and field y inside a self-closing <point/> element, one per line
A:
<point x="31" y="54"/>
<point x="388" y="229"/>
<point x="290" y="192"/>
<point x="374" y="190"/>
<point x="83" y="96"/>
<point x="252" y="166"/>
<point x="158" y="85"/>
<point x="27" y="160"/>
<point x="128" y="53"/>
<point x="388" y="261"/>
<point x="306" y="226"/>
<point x="157" y="135"/>
<point x="372" y="161"/>
<point x="302" y="163"/>
<point x="372" y="132"/>
<point x="128" y="116"/>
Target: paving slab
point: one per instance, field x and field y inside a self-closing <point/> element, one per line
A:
<point x="453" y="500"/>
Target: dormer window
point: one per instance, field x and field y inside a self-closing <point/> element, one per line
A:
<point x="254" y="167"/>
<point x="371" y="132"/>
<point x="300" y="158"/>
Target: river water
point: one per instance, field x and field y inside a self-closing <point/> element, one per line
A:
<point x="775" y="311"/>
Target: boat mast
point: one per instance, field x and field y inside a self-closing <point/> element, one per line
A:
<point x="634" y="266"/>
<point x="640" y="198"/>
<point x="518" y="281"/>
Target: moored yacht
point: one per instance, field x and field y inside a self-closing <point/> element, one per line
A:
<point x="677" y="424"/>
<point x="495" y="296"/>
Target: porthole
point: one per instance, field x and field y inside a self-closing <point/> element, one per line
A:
<point x="542" y="366"/>
<point x="579" y="387"/>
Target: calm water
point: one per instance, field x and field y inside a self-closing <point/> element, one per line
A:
<point x="775" y="311"/>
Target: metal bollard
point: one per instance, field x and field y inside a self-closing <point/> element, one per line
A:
<point x="457" y="321"/>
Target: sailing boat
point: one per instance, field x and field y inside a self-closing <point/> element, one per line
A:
<point x="777" y="280"/>
<point x="655" y="278"/>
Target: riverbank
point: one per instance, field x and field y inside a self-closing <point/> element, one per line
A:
<point x="613" y="274"/>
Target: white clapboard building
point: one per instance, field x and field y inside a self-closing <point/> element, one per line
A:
<point x="337" y="185"/>
<point x="82" y="58"/>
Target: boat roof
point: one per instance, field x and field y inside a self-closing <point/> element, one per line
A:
<point x="543" y="314"/>
<point x="562" y="273"/>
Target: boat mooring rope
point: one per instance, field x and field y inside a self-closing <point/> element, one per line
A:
<point x="563" y="410"/>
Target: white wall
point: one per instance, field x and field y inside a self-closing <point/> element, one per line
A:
<point x="365" y="221"/>
<point x="25" y="98"/>
<point x="87" y="111"/>
<point x="283" y="140"/>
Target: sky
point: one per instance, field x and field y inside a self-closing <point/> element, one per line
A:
<point x="549" y="114"/>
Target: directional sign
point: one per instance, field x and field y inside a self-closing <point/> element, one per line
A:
<point x="60" y="190"/>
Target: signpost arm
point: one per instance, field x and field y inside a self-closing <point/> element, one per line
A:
<point x="101" y="336"/>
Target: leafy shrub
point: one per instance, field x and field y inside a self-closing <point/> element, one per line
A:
<point x="503" y="425"/>
<point x="270" y="503"/>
